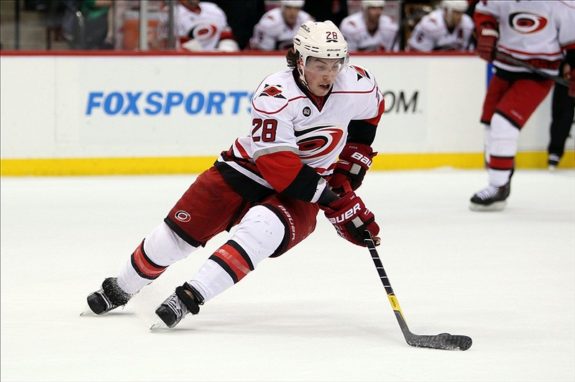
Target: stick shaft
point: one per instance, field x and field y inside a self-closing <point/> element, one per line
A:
<point x="512" y="60"/>
<point x="388" y="288"/>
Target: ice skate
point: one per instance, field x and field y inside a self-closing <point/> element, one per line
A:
<point x="553" y="161"/>
<point x="185" y="300"/>
<point x="491" y="198"/>
<point x="109" y="297"/>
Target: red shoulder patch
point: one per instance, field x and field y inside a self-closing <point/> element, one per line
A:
<point x="360" y="72"/>
<point x="272" y="91"/>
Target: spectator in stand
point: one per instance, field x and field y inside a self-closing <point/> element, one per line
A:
<point x="322" y="10"/>
<point x="242" y="17"/>
<point x="199" y="26"/>
<point x="370" y="30"/>
<point x="446" y="28"/>
<point x="277" y="27"/>
<point x="562" y="112"/>
<point x="85" y="24"/>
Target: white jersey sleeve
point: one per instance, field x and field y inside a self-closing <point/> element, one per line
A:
<point x="367" y="99"/>
<point x="566" y="23"/>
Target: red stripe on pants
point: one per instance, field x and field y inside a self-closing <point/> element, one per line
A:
<point x="144" y="265"/>
<point x="234" y="260"/>
<point x="501" y="163"/>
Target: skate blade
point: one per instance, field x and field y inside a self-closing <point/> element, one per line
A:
<point x="159" y="327"/>
<point x="87" y="312"/>
<point x="496" y="206"/>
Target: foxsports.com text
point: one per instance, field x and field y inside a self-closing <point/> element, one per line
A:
<point x="158" y="103"/>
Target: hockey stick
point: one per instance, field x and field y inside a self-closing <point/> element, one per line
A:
<point x="443" y="341"/>
<point x="512" y="60"/>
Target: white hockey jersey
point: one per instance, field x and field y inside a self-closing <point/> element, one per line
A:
<point x="533" y="31"/>
<point x="204" y="28"/>
<point x="286" y="119"/>
<point x="272" y="33"/>
<point x="358" y="38"/>
<point x="432" y="33"/>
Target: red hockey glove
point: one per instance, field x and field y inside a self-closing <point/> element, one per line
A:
<point x="353" y="163"/>
<point x="351" y="219"/>
<point x="486" y="43"/>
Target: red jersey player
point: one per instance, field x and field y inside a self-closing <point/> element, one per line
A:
<point x="540" y="33"/>
<point x="272" y="182"/>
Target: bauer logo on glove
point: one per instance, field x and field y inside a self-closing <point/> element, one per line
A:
<point x="351" y="219"/>
<point x="346" y="215"/>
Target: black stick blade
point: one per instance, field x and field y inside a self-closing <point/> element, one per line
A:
<point x="443" y="341"/>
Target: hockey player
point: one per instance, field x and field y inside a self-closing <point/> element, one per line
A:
<point x="370" y="30"/>
<point x="562" y="113"/>
<point x="537" y="32"/>
<point x="277" y="27"/>
<point x="446" y="28"/>
<point x="199" y="26"/>
<point x="272" y="182"/>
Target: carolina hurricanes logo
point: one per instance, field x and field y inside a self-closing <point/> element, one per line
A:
<point x="183" y="216"/>
<point x="203" y="32"/>
<point x="526" y="23"/>
<point x="318" y="141"/>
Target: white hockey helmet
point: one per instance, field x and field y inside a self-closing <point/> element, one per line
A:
<point x="455" y="5"/>
<point x="372" y="3"/>
<point x="292" y="3"/>
<point x="319" y="39"/>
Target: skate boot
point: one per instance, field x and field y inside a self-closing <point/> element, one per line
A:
<point x="186" y="300"/>
<point x="109" y="297"/>
<point x="491" y="198"/>
<point x="553" y="161"/>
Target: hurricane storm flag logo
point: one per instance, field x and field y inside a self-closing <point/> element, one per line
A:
<point x="360" y="72"/>
<point x="526" y="23"/>
<point x="272" y="91"/>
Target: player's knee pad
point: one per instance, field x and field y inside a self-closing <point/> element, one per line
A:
<point x="503" y="137"/>
<point x="260" y="233"/>
<point x="164" y="247"/>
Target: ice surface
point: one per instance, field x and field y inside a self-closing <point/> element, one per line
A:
<point x="318" y="313"/>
